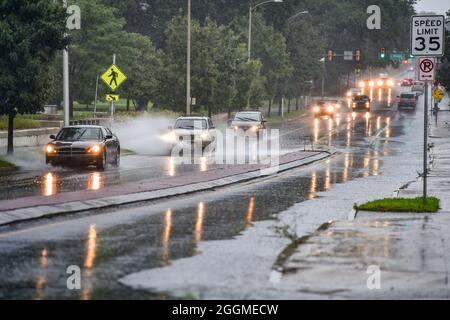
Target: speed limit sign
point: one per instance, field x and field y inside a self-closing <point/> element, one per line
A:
<point x="428" y="35"/>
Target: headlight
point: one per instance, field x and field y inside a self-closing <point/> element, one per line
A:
<point x="236" y="128"/>
<point x="390" y="83"/>
<point x="255" y="128"/>
<point x="94" y="149"/>
<point x="349" y="94"/>
<point x="380" y="83"/>
<point x="204" y="136"/>
<point x="367" y="104"/>
<point x="371" y="83"/>
<point x="330" y="109"/>
<point x="362" y="84"/>
<point x="316" y="109"/>
<point x="50" y="149"/>
<point x="170" y="137"/>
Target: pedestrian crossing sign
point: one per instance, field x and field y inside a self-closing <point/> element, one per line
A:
<point x="113" y="77"/>
<point x="112" y="97"/>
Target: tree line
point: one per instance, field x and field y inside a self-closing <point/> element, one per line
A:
<point x="149" y="40"/>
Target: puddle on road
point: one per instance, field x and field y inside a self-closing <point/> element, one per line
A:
<point x="105" y="255"/>
<point x="38" y="270"/>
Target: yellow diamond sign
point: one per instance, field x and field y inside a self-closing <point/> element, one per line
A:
<point x="438" y="95"/>
<point x="113" y="77"/>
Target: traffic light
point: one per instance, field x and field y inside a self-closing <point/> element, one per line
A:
<point x="383" y="53"/>
<point x="358" y="55"/>
<point x="411" y="56"/>
<point x="330" y="55"/>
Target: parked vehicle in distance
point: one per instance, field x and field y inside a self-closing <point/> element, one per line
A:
<point x="83" y="145"/>
<point x="418" y="87"/>
<point x="191" y="130"/>
<point x="406" y="82"/>
<point x="407" y="100"/>
<point x="249" y="121"/>
<point x="361" y="102"/>
<point x="324" y="108"/>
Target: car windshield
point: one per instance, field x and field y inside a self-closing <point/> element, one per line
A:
<point x="190" y="124"/>
<point x="247" y="117"/>
<point x="77" y="134"/>
<point x="407" y="96"/>
<point x="361" y="98"/>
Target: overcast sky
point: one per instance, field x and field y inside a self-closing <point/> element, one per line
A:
<point x="437" y="6"/>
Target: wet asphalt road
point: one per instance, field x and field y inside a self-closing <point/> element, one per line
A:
<point x="110" y="245"/>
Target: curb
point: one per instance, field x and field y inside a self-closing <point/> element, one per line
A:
<point x="34" y="213"/>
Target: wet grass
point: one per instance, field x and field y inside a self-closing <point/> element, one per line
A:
<point x="19" y="123"/>
<point x="5" y="164"/>
<point x="402" y="205"/>
<point x="294" y="114"/>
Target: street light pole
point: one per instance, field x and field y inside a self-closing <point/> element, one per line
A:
<point x="66" y="94"/>
<point x="250" y="24"/>
<point x="249" y="33"/>
<point x="188" y="76"/>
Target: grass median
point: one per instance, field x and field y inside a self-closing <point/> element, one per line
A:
<point x="415" y="205"/>
<point x="5" y="164"/>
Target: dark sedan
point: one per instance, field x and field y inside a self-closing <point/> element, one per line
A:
<point x="83" y="145"/>
<point x="361" y="103"/>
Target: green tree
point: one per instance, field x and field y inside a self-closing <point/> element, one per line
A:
<point x="92" y="48"/>
<point x="142" y="64"/>
<point x="269" y="46"/>
<point x="30" y="35"/>
<point x="221" y="74"/>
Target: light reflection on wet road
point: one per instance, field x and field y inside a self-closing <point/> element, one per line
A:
<point x="34" y="260"/>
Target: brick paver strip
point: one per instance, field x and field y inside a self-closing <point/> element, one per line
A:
<point x="146" y="185"/>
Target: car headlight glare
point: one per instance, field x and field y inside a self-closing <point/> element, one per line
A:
<point x="371" y="83"/>
<point x="204" y="136"/>
<point x="95" y="149"/>
<point x="316" y="109"/>
<point x="330" y="109"/>
<point x="380" y="82"/>
<point x="170" y="137"/>
<point x="50" y="149"/>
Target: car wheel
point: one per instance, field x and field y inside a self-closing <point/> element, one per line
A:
<point x="101" y="164"/>
<point x="117" y="159"/>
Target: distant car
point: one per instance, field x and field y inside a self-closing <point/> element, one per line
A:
<point x="191" y="130"/>
<point x="353" y="92"/>
<point x="366" y="83"/>
<point x="384" y="82"/>
<point x="418" y="87"/>
<point x="407" y="100"/>
<point x="83" y="145"/>
<point x="252" y="121"/>
<point x="323" y="108"/>
<point x="406" y="82"/>
<point x="361" y="102"/>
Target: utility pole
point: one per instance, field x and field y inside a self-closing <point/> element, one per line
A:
<point x="188" y="76"/>
<point x="66" y="94"/>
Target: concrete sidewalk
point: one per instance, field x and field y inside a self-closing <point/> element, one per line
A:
<point x="411" y="251"/>
<point x="29" y="208"/>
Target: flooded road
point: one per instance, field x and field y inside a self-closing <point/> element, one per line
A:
<point x="111" y="245"/>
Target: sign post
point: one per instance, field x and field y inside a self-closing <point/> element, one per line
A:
<point x="427" y="41"/>
<point x="113" y="78"/>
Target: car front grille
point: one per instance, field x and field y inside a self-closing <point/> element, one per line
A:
<point x="71" y="151"/>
